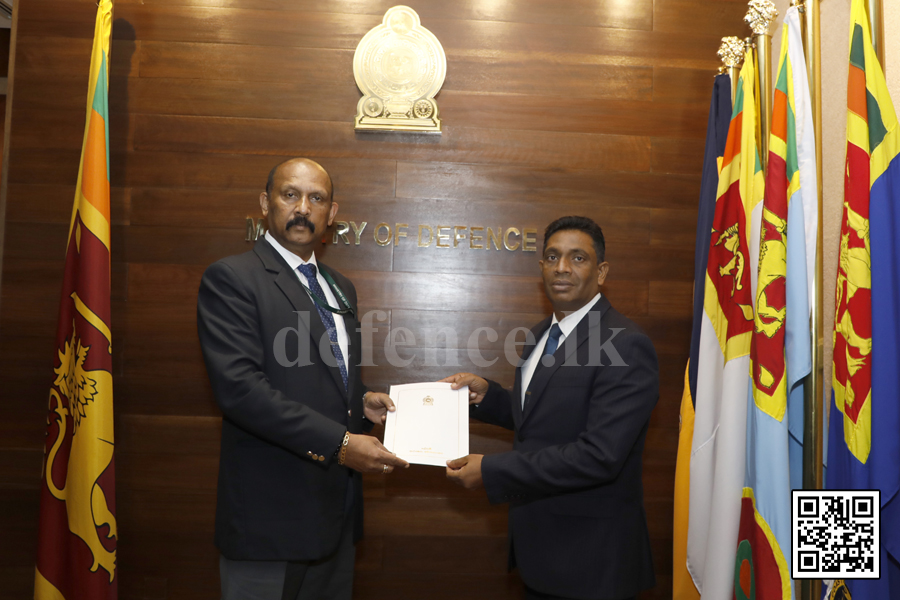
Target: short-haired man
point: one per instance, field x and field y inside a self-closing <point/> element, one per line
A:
<point x="281" y="343"/>
<point x="584" y="390"/>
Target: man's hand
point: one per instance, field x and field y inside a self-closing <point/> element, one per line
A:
<point x="376" y="406"/>
<point x="478" y="387"/>
<point x="466" y="471"/>
<point x="367" y="455"/>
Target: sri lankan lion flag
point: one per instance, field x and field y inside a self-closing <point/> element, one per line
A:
<point x="780" y="350"/>
<point x="863" y="438"/>
<point x="77" y="529"/>
<point x="723" y="375"/>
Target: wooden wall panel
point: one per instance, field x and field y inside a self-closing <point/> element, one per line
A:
<point x="53" y="204"/>
<point x="566" y="113"/>
<point x="594" y="107"/>
<point x="687" y="15"/>
<point x="157" y="133"/>
<point x="181" y="60"/>
<point x="593" y="13"/>
<point x="490" y="183"/>
<point x="671" y="155"/>
<point x="42" y="55"/>
<point x="681" y="85"/>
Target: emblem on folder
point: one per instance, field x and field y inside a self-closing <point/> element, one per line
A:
<point x="399" y="67"/>
<point x="428" y="401"/>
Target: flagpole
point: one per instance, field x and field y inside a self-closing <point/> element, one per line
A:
<point x="732" y="54"/>
<point x="813" y="435"/>
<point x="814" y="395"/>
<point x="876" y="28"/>
<point x="760" y="15"/>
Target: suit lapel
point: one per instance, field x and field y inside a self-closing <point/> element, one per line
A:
<point x="564" y="353"/>
<point x="517" y="398"/>
<point x="290" y="286"/>
<point x="354" y="350"/>
<point x="537" y="331"/>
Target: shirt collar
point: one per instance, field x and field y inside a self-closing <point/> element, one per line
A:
<point x="292" y="259"/>
<point x="568" y="323"/>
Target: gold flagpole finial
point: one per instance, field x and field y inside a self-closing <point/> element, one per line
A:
<point x="731" y="52"/>
<point x="760" y="15"/>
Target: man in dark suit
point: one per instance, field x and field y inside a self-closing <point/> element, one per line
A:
<point x="281" y="342"/>
<point x="584" y="390"/>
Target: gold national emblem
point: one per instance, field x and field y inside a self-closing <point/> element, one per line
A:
<point x="428" y="401"/>
<point x="399" y="67"/>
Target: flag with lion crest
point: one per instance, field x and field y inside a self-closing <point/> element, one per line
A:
<point x="77" y="530"/>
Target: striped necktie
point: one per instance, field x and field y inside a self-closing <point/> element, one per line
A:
<point x="309" y="271"/>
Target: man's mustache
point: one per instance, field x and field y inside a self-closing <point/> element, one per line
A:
<point x="301" y="220"/>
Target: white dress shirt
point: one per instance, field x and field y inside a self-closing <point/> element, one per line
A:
<point x="295" y="261"/>
<point x="566" y="326"/>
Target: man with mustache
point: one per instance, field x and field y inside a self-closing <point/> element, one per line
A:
<point x="584" y="390"/>
<point x="281" y="342"/>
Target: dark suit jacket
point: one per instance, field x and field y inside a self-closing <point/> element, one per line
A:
<point x="281" y="493"/>
<point x="577" y="525"/>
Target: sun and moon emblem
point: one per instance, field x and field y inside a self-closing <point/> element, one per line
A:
<point x="423" y="109"/>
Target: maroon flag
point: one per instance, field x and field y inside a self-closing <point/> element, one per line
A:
<point x="77" y="529"/>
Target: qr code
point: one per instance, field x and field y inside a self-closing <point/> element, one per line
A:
<point x="835" y="534"/>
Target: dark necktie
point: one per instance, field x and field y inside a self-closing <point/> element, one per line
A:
<point x="552" y="341"/>
<point x="549" y="348"/>
<point x="312" y="282"/>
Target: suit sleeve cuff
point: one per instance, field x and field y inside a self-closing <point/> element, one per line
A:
<point x="367" y="425"/>
<point x="492" y="478"/>
<point x="322" y="449"/>
<point x="495" y="391"/>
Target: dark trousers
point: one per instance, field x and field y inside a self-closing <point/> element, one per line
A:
<point x="330" y="578"/>
<point x="530" y="594"/>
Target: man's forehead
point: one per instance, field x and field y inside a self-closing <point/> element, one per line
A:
<point x="302" y="174"/>
<point x="571" y="240"/>
<point x="303" y="181"/>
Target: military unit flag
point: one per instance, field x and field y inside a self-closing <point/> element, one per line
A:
<point x="723" y="368"/>
<point x="77" y="529"/>
<point x="780" y="354"/>
<point x="683" y="587"/>
<point x="863" y="439"/>
<point x="754" y="348"/>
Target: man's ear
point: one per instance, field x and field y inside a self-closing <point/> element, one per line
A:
<point x="264" y="203"/>
<point x="603" y="269"/>
<point x="333" y="213"/>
